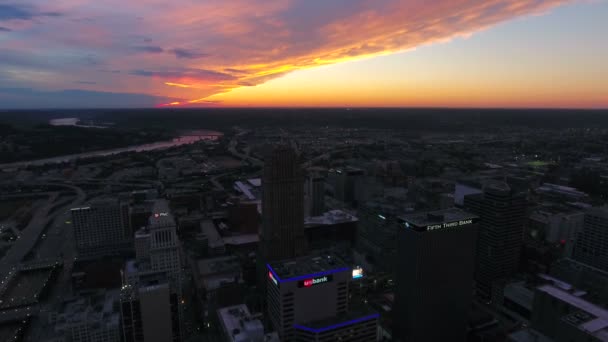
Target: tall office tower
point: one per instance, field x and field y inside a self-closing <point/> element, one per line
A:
<point x="346" y="182"/>
<point x="102" y="229"/>
<point x="315" y="190"/>
<point x="434" y="281"/>
<point x="155" y="275"/>
<point x="308" y="299"/>
<point x="591" y="247"/>
<point x="282" y="206"/>
<point x="502" y="213"/>
<point x="150" y="313"/>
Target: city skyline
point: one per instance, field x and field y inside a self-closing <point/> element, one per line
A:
<point x="510" y="53"/>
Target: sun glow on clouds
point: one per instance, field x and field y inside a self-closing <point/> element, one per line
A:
<point x="189" y="51"/>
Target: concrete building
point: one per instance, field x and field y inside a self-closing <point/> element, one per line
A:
<point x="561" y="193"/>
<point x="102" y="228"/>
<point x="346" y="180"/>
<point x="94" y="317"/>
<point x="562" y="314"/>
<point x="331" y="228"/>
<point x="219" y="283"/>
<point x="501" y="214"/>
<point x="305" y="290"/>
<point x="238" y="325"/>
<point x="555" y="225"/>
<point x="591" y="247"/>
<point x="434" y="277"/>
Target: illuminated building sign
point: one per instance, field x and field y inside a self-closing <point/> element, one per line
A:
<point x="274" y="280"/>
<point x="315" y="281"/>
<point x="446" y="225"/>
<point x="357" y="273"/>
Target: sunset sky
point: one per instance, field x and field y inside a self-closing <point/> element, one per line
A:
<point x="345" y="53"/>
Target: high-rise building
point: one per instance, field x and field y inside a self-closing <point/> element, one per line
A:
<point x="102" y="229"/>
<point x="346" y="180"/>
<point x="502" y="213"/>
<point x="282" y="209"/>
<point x="315" y="191"/>
<point x="308" y="297"/>
<point x="591" y="246"/>
<point x="434" y="277"/>
<point x="150" y="313"/>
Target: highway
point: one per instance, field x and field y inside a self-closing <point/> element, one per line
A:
<point x="32" y="232"/>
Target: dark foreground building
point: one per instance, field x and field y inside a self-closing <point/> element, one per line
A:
<point x="435" y="266"/>
<point x="502" y="213"/>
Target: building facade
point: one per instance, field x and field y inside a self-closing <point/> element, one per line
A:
<point x="102" y="229"/>
<point x="150" y="314"/>
<point x="305" y="290"/>
<point x="282" y="206"/>
<point x="434" y="277"/>
<point x="591" y="246"/>
<point x="502" y="214"/>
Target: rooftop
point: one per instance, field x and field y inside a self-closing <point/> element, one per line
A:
<point x="591" y="318"/>
<point x="329" y="218"/>
<point x="438" y="219"/>
<point x="242" y="239"/>
<point x="208" y="267"/>
<point x="239" y="325"/>
<point x="308" y="267"/>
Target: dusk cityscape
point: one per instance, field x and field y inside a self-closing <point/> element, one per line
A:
<point x="303" y="170"/>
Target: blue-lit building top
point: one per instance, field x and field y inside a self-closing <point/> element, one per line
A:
<point x="357" y="325"/>
<point x="308" y="267"/>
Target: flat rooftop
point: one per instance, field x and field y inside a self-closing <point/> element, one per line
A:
<point x="438" y="219"/>
<point x="221" y="265"/>
<point x="596" y="323"/>
<point x="330" y="218"/>
<point x="308" y="267"/>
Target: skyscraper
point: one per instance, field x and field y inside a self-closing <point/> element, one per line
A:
<point x="591" y="246"/>
<point x="150" y="313"/>
<point x="308" y="301"/>
<point x="150" y="297"/>
<point x="434" y="277"/>
<point x="501" y="212"/>
<point x="282" y="206"/>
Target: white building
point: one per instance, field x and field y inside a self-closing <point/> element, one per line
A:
<point x="592" y="243"/>
<point x="238" y="325"/>
<point x="91" y="318"/>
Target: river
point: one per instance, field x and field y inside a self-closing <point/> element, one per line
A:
<point x="189" y="137"/>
